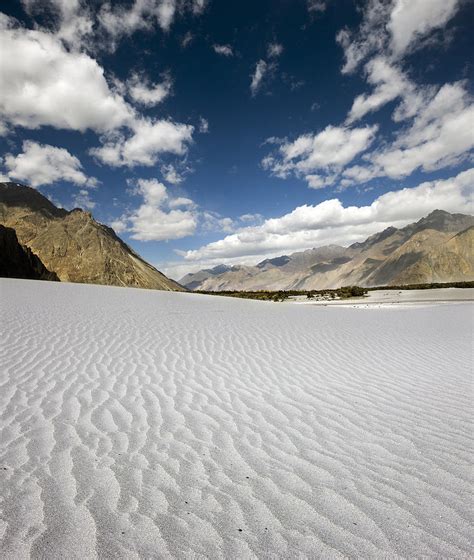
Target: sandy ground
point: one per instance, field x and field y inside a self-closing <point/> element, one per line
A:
<point x="141" y="424"/>
<point x="396" y="298"/>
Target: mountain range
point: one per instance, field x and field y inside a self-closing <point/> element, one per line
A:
<point x="71" y="245"/>
<point x="437" y="248"/>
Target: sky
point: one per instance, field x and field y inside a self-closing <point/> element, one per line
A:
<point x="229" y="131"/>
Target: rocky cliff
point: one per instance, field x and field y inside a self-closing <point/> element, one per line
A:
<point x="73" y="244"/>
<point x="18" y="261"/>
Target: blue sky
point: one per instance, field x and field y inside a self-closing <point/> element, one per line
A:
<point x="211" y="131"/>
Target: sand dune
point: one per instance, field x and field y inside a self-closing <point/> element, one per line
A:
<point x="143" y="424"/>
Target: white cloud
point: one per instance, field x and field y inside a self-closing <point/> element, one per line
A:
<point x="91" y="25"/>
<point x="369" y="38"/>
<point x="412" y="19"/>
<point x="72" y="20"/>
<point x="274" y="50"/>
<point x="45" y="84"/>
<point x="120" y="20"/>
<point x="180" y="201"/>
<point x="224" y="50"/>
<point x="83" y="200"/>
<point x="212" y="221"/>
<point x="261" y="69"/>
<point x="407" y="23"/>
<point x="320" y="181"/>
<point x="326" y="151"/>
<point x="330" y="222"/>
<point x="358" y="174"/>
<point x="158" y="218"/>
<point x="389" y="83"/>
<point x="149" y="139"/>
<point x="251" y="217"/>
<point x="442" y="134"/>
<point x="119" y="225"/>
<point x="147" y="94"/>
<point x="41" y="164"/>
<point x="171" y="174"/>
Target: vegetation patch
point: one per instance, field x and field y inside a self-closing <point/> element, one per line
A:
<point x="345" y="292"/>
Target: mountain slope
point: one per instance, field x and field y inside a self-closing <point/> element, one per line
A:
<point x="437" y="248"/>
<point x="18" y="261"/>
<point x="73" y="244"/>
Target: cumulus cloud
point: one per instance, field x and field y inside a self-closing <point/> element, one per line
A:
<point x="389" y="83"/>
<point x="119" y="20"/>
<point x="149" y="139"/>
<point x="213" y="221"/>
<point x="171" y="174"/>
<point x="410" y="20"/>
<point x="407" y="23"/>
<point x="310" y="226"/>
<point x="42" y="164"/>
<point x="224" y="50"/>
<point x="82" y="200"/>
<point x="369" y="38"/>
<point x="45" y="84"/>
<point x="147" y="94"/>
<point x="160" y="217"/>
<point x="72" y="20"/>
<point x="93" y="25"/>
<point x="441" y="135"/>
<point x="122" y="20"/>
<point x="326" y="151"/>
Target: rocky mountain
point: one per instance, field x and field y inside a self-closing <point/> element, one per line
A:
<point x="18" y="261"/>
<point x="192" y="280"/>
<point x="437" y="248"/>
<point x="73" y="244"/>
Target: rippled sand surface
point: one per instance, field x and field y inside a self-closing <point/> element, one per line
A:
<point x="141" y="424"/>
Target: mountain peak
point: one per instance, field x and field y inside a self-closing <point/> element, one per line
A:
<point x="16" y="194"/>
<point x="73" y="244"/>
<point x="442" y="221"/>
<point x="415" y="253"/>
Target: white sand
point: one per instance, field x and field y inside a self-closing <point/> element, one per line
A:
<point x="377" y="299"/>
<point x="141" y="424"/>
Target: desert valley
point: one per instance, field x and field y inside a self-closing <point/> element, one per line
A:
<point x="144" y="423"/>
<point x="236" y="280"/>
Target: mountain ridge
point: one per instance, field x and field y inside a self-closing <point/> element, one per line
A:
<point x="419" y="252"/>
<point x="73" y="244"/>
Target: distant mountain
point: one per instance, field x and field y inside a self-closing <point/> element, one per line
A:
<point x="195" y="279"/>
<point x="18" y="261"/>
<point x="437" y="248"/>
<point x="73" y="244"/>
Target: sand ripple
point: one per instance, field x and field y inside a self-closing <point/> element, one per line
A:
<point x="139" y="424"/>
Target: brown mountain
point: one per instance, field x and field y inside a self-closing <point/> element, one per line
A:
<point x="437" y="248"/>
<point x="73" y="244"/>
<point x="18" y="261"/>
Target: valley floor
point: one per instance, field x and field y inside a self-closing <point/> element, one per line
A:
<point x="145" y="424"/>
<point x="384" y="297"/>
